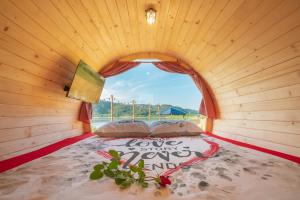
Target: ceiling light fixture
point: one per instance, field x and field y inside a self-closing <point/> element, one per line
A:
<point x="150" y="16"/>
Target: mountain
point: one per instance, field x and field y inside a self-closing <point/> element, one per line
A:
<point x="121" y="109"/>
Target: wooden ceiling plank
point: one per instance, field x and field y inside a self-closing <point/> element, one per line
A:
<point x="21" y="86"/>
<point x="209" y="19"/>
<point x="280" y="81"/>
<point x="220" y="25"/>
<point x="50" y="18"/>
<point x="179" y="21"/>
<point x="105" y="15"/>
<point x="153" y="29"/>
<point x="17" y="48"/>
<point x="286" y="116"/>
<point x="168" y="28"/>
<point x="112" y="9"/>
<point x="11" y="134"/>
<point x="10" y="98"/>
<point x="162" y="19"/>
<point x="189" y="20"/>
<point x="134" y="24"/>
<point x="246" y="10"/>
<point x="286" y="40"/>
<point x="29" y="67"/>
<point x="281" y="104"/>
<point x="87" y="23"/>
<point x="148" y="29"/>
<point x="141" y="6"/>
<point x="34" y="79"/>
<point x="199" y="19"/>
<point x="104" y="31"/>
<point x="27" y="111"/>
<point x="29" y="52"/>
<point x="273" y="94"/>
<point x="283" y="31"/>
<point x="264" y="125"/>
<point x="263" y="10"/>
<point x="123" y="18"/>
<point x="25" y="37"/>
<point x="5" y="122"/>
<point x="69" y="16"/>
<point x="275" y="71"/>
<point x="26" y="16"/>
<point x="262" y="26"/>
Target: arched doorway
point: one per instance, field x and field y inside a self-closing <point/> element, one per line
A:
<point x="168" y="64"/>
<point x="149" y="94"/>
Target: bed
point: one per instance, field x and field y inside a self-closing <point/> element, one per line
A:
<point x="200" y="167"/>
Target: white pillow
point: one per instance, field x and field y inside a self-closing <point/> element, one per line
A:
<point x="174" y="129"/>
<point x="124" y="128"/>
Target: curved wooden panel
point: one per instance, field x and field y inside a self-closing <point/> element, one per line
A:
<point x="248" y="51"/>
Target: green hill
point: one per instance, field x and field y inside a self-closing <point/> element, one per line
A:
<point x="121" y="109"/>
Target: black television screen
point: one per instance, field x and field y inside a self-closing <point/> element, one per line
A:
<point x="87" y="84"/>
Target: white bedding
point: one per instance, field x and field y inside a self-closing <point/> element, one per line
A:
<point x="231" y="173"/>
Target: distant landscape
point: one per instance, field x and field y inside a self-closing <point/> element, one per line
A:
<point x="102" y="110"/>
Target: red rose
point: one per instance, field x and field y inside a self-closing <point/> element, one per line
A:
<point x="164" y="181"/>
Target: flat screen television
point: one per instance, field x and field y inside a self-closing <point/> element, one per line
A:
<point x="87" y="84"/>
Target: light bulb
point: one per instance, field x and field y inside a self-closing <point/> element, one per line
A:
<point x="150" y="16"/>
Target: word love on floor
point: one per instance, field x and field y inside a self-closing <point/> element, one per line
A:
<point x="159" y="154"/>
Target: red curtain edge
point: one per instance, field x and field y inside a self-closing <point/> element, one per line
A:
<point x="207" y="105"/>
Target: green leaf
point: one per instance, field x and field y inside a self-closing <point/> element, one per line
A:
<point x="125" y="184"/>
<point x="114" y="154"/>
<point x="141" y="176"/>
<point x="141" y="164"/>
<point x="109" y="173"/>
<point x="119" y="181"/>
<point x="98" y="167"/>
<point x="95" y="175"/>
<point x="126" y="173"/>
<point x="133" y="168"/>
<point x="113" y="165"/>
<point x="121" y="176"/>
<point x="144" y="184"/>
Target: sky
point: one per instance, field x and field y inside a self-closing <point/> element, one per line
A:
<point x="148" y="85"/>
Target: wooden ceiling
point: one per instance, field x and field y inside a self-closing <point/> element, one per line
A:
<point x="204" y="33"/>
<point x="201" y="32"/>
<point x="247" y="50"/>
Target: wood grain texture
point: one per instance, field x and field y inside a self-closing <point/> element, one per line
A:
<point x="247" y="51"/>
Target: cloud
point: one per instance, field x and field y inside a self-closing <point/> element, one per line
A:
<point x="118" y="84"/>
<point x="140" y="86"/>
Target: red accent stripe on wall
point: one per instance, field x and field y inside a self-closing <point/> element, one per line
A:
<point x="257" y="148"/>
<point x="27" y="157"/>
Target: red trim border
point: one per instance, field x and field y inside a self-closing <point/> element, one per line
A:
<point x="24" y="158"/>
<point x="27" y="157"/>
<point x="257" y="148"/>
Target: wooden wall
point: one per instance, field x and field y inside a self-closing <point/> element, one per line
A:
<point x="33" y="108"/>
<point x="247" y="50"/>
<point x="256" y="82"/>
